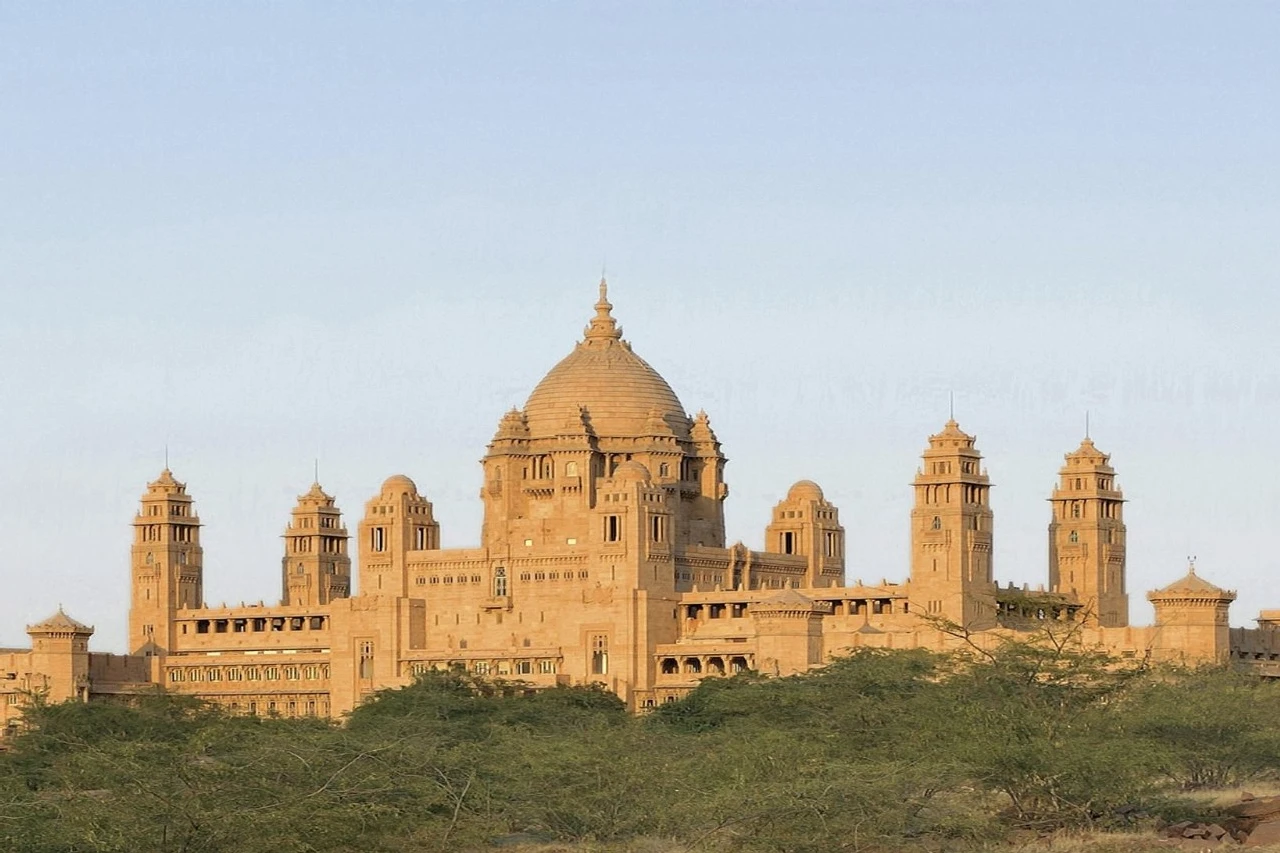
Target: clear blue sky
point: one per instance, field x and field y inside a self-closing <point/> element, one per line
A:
<point x="266" y="233"/>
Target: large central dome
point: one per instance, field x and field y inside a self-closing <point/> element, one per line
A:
<point x="621" y="392"/>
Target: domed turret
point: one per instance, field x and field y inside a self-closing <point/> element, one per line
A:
<point x="805" y="490"/>
<point x="398" y="483"/>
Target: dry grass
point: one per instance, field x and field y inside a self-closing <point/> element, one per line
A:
<point x="1223" y="797"/>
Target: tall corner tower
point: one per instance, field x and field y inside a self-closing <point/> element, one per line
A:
<point x="1087" y="536"/>
<point x="951" y="533"/>
<point x="167" y="564"/>
<point x="316" y="567"/>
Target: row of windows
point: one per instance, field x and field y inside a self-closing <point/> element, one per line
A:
<point x="423" y="580"/>
<point x="543" y="666"/>
<point x="290" y="672"/>
<point x="328" y="544"/>
<point x="542" y="576"/>
<point x="714" y="665"/>
<point x="151" y="558"/>
<point x="422" y="539"/>
<point x="412" y="509"/>
<point x="733" y="610"/>
<point x="1104" y="483"/>
<point x="258" y="624"/>
<point x="1078" y="509"/>
<point x="704" y="577"/>
<point x="543" y="468"/>
<point x="178" y="533"/>
<point x="327" y="522"/>
<point x="181" y="510"/>
<point x="284" y="707"/>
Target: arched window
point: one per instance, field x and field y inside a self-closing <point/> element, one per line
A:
<point x="1074" y="537"/>
<point x="151" y="558"/>
<point x="937" y="523"/>
<point x="571" y="469"/>
<point x="500" y="582"/>
<point x="1075" y="510"/>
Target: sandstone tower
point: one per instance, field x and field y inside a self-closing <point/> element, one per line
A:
<point x="316" y="567"/>
<point x="167" y="564"/>
<point x="396" y="522"/>
<point x="807" y="525"/>
<point x="1086" y="537"/>
<point x="60" y="654"/>
<point x="1191" y="620"/>
<point x="951" y="533"/>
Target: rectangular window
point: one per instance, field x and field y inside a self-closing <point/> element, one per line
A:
<point x="379" y="539"/>
<point x="788" y="543"/>
<point x="599" y="654"/>
<point x="612" y="528"/>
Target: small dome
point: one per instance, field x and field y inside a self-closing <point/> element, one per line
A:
<point x="632" y="471"/>
<point x="805" y="490"/>
<point x="399" y="482"/>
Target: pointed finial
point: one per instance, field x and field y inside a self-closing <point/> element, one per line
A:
<point x="1086" y="424"/>
<point x="166" y="456"/>
<point x="951" y="405"/>
<point x="603" y="326"/>
<point x="316" y="468"/>
<point x="1191" y="567"/>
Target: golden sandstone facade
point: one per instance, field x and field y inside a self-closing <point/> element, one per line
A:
<point x="603" y="558"/>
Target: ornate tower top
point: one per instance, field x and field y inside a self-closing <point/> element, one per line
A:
<point x="603" y="327"/>
<point x="166" y="484"/>
<point x="951" y="437"/>
<point x="1087" y="455"/>
<point x="61" y="624"/>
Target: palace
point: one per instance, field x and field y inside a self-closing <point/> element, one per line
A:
<point x="603" y="558"/>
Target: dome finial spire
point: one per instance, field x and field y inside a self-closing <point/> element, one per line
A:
<point x="603" y="326"/>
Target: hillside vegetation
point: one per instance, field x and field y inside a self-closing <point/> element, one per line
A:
<point x="903" y="750"/>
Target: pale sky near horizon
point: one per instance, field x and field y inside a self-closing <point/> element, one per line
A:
<point x="267" y="233"/>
